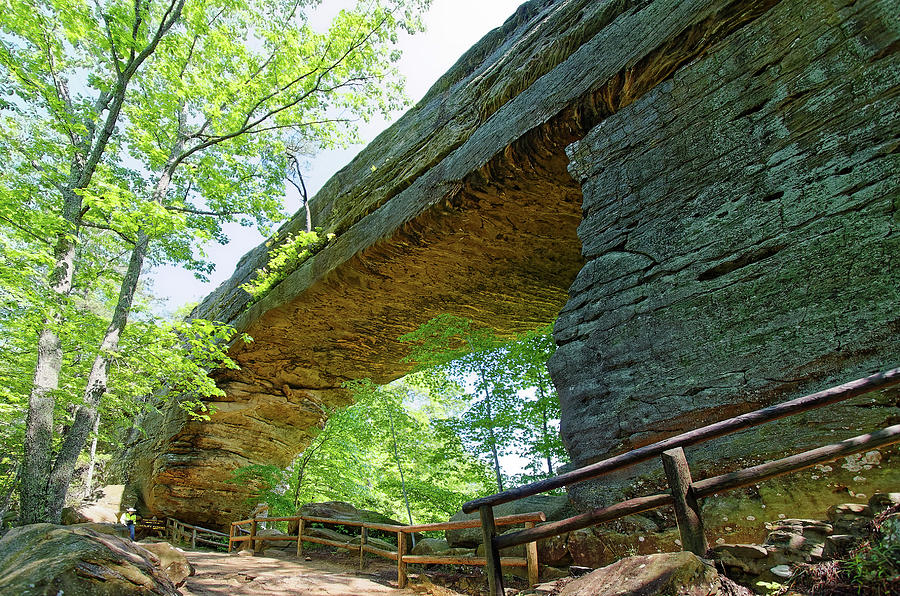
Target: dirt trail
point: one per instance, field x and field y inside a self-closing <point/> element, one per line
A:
<point x="220" y="574"/>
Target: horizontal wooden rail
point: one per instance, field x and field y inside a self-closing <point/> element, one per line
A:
<point x="204" y="530"/>
<point x="273" y="538"/>
<point x="793" y="463"/>
<point x="849" y="390"/>
<point x="449" y="560"/>
<point x="591" y="518"/>
<point x="189" y="533"/>
<point x="329" y="542"/>
<point x="506" y="520"/>
<point x="387" y="554"/>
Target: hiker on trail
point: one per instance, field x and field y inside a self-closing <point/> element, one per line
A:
<point x="129" y="518"/>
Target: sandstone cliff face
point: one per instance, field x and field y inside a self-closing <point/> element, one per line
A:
<point x="740" y="230"/>
<point x="714" y="184"/>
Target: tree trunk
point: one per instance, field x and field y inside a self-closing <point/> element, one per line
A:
<point x="90" y="473"/>
<point x="86" y="413"/>
<point x="493" y="437"/>
<point x="400" y="467"/>
<point x="39" y="422"/>
<point x="544" y="428"/>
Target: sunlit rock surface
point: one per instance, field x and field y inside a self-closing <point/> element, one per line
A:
<point x="739" y="164"/>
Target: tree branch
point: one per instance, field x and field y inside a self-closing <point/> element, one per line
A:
<point x="98" y="226"/>
<point x="22" y="228"/>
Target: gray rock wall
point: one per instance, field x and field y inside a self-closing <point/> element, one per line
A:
<point x="741" y="236"/>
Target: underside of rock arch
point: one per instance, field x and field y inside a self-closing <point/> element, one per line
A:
<point x="706" y="189"/>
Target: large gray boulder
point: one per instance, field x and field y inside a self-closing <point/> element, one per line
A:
<point x="46" y="559"/>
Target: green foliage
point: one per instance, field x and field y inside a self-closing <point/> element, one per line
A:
<point x="511" y="407"/>
<point x="290" y="253"/>
<point x="131" y="133"/>
<point x="352" y="459"/>
<point x="876" y="566"/>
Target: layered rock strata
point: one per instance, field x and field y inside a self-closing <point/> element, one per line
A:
<point x="741" y="236"/>
<point x="713" y="154"/>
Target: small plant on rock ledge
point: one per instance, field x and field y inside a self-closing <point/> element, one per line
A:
<point x="293" y="252"/>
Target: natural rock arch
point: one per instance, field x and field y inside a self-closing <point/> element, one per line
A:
<point x="466" y="206"/>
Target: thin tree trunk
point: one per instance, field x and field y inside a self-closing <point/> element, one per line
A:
<point x="400" y="467"/>
<point x="546" y="432"/>
<point x="302" y="470"/>
<point x="86" y="413"/>
<point x="487" y="400"/>
<point x="9" y="492"/>
<point x="98" y="380"/>
<point x="90" y="473"/>
<point x="494" y="446"/>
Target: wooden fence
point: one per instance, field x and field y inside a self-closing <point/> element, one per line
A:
<point x="239" y="534"/>
<point x="684" y="492"/>
<point x="194" y="535"/>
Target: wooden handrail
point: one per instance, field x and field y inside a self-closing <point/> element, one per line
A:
<point x="868" y="384"/>
<point x="400" y="555"/>
<point x="506" y="520"/>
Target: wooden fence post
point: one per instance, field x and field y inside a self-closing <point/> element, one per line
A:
<point x="193" y="537"/>
<point x="300" y="538"/>
<point x="531" y="557"/>
<point x="230" y="536"/>
<point x="491" y="554"/>
<point x="363" y="540"/>
<point x="253" y="536"/>
<point x="401" y="564"/>
<point x="687" y="509"/>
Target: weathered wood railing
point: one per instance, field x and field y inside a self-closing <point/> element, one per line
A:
<point x="530" y="561"/>
<point x="181" y="532"/>
<point x="684" y="492"/>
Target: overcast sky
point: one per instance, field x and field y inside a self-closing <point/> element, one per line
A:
<point x="453" y="26"/>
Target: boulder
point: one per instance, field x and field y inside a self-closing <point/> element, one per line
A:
<point x="46" y="559"/>
<point x="71" y="516"/>
<point x="376" y="542"/>
<point x="554" y="551"/>
<point x="119" y="530"/>
<point x="345" y="511"/>
<point x="430" y="546"/>
<point x="744" y="562"/>
<point x="261" y="546"/>
<point x="682" y="573"/>
<point x="555" y="507"/>
<point x="850" y="518"/>
<point x="327" y="534"/>
<point x="171" y="560"/>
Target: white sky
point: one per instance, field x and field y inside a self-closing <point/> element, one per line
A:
<point x="453" y="26"/>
